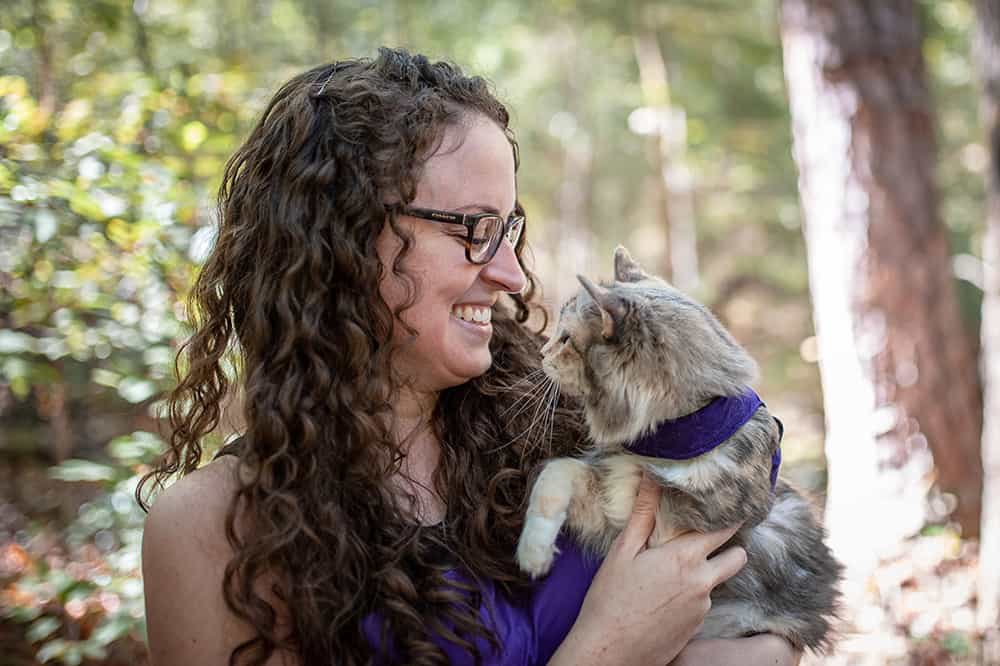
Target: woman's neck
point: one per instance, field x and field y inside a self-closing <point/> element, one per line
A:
<point x="413" y="429"/>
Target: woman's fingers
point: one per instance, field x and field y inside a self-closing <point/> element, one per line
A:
<point x="726" y="564"/>
<point x="709" y="542"/>
<point x="643" y="518"/>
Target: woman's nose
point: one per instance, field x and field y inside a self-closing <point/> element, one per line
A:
<point x="505" y="270"/>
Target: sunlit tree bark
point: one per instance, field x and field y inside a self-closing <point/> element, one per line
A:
<point x="898" y="372"/>
<point x="987" y="57"/>
<point x="669" y="139"/>
<point x="572" y="238"/>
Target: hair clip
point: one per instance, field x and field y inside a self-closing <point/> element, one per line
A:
<point x="323" y="87"/>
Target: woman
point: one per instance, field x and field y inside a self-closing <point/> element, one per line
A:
<point x="368" y="280"/>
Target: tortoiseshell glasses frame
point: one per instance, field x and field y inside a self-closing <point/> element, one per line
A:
<point x="484" y="231"/>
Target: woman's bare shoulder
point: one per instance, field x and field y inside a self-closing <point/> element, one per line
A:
<point x="184" y="555"/>
<point x="209" y="490"/>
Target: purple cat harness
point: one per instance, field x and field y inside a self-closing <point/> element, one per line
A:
<point x="701" y="431"/>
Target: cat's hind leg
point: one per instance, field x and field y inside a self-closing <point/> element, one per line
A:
<point x="559" y="482"/>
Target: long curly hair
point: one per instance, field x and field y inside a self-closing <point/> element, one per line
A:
<point x="337" y="152"/>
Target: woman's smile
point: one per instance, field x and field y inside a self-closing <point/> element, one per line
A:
<point x="474" y="320"/>
<point x="476" y="314"/>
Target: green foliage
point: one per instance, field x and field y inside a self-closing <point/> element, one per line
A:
<point x="82" y="595"/>
<point x="98" y="212"/>
<point x="957" y="644"/>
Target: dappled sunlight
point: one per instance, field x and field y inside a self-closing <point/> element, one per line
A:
<point x="666" y="127"/>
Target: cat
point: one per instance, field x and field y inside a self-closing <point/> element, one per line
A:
<point x="665" y="390"/>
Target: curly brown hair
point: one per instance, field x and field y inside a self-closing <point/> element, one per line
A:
<point x="301" y="205"/>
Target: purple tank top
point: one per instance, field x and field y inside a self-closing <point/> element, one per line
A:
<point x="531" y="631"/>
<point x="528" y="632"/>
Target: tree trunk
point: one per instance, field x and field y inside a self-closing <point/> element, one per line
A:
<point x="898" y="372"/>
<point x="45" y="71"/>
<point x="987" y="57"/>
<point x="143" y="50"/>
<point x="572" y="239"/>
<point x="680" y="263"/>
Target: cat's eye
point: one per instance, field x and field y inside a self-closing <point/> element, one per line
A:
<point x="564" y="338"/>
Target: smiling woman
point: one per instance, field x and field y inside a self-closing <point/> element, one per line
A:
<point x="473" y="172"/>
<point x="370" y="511"/>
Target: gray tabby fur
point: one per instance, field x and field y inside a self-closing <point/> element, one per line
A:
<point x="638" y="352"/>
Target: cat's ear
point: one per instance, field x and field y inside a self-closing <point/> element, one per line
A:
<point x="626" y="268"/>
<point x="612" y="307"/>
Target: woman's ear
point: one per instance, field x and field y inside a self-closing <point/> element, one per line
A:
<point x="612" y="307"/>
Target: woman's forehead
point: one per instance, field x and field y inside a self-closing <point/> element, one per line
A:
<point x="474" y="166"/>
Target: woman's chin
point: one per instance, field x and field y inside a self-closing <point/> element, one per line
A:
<point x="474" y="364"/>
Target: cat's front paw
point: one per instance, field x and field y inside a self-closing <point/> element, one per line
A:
<point x="537" y="546"/>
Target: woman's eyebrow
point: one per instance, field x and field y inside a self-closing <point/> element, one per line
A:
<point x="481" y="208"/>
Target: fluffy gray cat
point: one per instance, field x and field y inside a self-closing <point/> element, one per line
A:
<point x="665" y="389"/>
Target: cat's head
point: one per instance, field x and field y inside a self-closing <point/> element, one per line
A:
<point x="639" y="351"/>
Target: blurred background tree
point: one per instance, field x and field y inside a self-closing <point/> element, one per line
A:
<point x="660" y="125"/>
<point x="987" y="58"/>
<point x="898" y="373"/>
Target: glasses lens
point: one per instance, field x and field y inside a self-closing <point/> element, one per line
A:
<point x="515" y="230"/>
<point x="486" y="238"/>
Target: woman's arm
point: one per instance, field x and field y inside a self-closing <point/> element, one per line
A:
<point x="184" y="555"/>
<point x="645" y="604"/>
<point x="763" y="650"/>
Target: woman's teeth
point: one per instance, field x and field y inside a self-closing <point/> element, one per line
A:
<point x="473" y="313"/>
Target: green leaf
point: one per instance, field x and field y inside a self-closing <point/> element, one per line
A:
<point x="6" y="178"/>
<point x="93" y="649"/>
<point x="136" y="390"/>
<point x="41" y="628"/>
<point x="83" y="204"/>
<point x="73" y="656"/>
<point x="957" y="644"/>
<point x="80" y="590"/>
<point x="52" y="650"/>
<point x="76" y="469"/>
<point x="22" y="614"/>
<point x="112" y="629"/>
<point x="12" y="342"/>
<point x="138" y="447"/>
<point x="105" y="377"/>
<point x="46" y="225"/>
<point x="193" y="134"/>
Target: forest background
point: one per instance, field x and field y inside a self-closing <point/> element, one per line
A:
<point x="663" y="126"/>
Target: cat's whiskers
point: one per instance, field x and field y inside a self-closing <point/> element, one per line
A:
<point x="528" y="379"/>
<point x="525" y="400"/>
<point x="539" y="404"/>
<point x="551" y="402"/>
<point x="541" y="413"/>
<point x="538" y="395"/>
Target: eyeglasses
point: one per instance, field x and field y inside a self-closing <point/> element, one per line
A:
<point x="485" y="231"/>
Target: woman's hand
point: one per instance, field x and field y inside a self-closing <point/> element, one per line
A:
<point x="645" y="604"/>
<point x="763" y="650"/>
